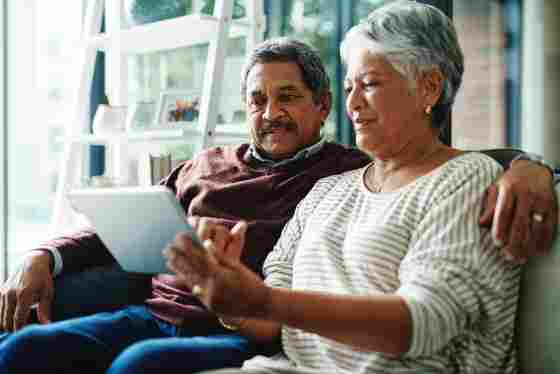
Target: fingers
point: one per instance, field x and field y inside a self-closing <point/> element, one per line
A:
<point x="9" y="301"/>
<point x="543" y="233"/>
<point x="237" y="243"/>
<point x="21" y="313"/>
<point x="503" y="215"/>
<point x="220" y="239"/>
<point x="205" y="229"/>
<point x="185" y="262"/>
<point x="44" y="308"/>
<point x="517" y="247"/>
<point x="489" y="205"/>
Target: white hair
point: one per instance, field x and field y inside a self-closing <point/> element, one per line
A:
<point x="414" y="38"/>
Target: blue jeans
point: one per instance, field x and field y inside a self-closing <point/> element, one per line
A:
<point x="130" y="340"/>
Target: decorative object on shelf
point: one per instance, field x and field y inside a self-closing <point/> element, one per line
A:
<point x="109" y="119"/>
<point x="176" y="109"/>
<point x="140" y="116"/>
<point x="153" y="167"/>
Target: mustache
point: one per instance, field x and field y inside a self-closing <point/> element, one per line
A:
<point x="270" y="126"/>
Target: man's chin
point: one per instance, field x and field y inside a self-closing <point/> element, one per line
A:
<point x="278" y="152"/>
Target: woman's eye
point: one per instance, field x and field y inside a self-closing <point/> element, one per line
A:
<point x="370" y="84"/>
<point x="347" y="90"/>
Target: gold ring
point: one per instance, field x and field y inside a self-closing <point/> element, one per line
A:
<point x="197" y="290"/>
<point x="537" y="217"/>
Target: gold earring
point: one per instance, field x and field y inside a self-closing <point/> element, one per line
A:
<point x="428" y="110"/>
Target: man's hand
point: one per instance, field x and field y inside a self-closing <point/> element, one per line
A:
<point x="32" y="283"/>
<point x="522" y="209"/>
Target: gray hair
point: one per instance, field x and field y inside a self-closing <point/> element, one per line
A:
<point x="414" y="38"/>
<point x="290" y="50"/>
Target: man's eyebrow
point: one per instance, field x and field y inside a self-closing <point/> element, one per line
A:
<point x="289" y="87"/>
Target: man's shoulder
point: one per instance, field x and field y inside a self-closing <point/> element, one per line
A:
<point x="347" y="157"/>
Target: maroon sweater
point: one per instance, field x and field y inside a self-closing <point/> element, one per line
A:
<point x="226" y="185"/>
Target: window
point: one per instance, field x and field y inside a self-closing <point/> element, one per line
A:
<point x="40" y="39"/>
<point x="480" y="110"/>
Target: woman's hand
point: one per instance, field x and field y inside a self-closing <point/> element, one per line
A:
<point x="222" y="282"/>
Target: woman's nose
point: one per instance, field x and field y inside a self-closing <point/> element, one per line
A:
<point x="354" y="101"/>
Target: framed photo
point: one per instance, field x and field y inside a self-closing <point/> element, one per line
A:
<point x="177" y="108"/>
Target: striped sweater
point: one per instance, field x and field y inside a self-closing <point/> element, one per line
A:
<point x="421" y="242"/>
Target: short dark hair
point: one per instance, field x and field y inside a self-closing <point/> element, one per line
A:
<point x="290" y="50"/>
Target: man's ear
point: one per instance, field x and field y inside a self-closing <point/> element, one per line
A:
<point x="432" y="86"/>
<point x="325" y="105"/>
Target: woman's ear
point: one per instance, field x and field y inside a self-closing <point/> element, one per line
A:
<point x="432" y="86"/>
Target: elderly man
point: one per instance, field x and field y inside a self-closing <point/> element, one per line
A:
<point x="287" y="97"/>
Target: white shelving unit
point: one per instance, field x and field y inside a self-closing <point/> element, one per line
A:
<point x="119" y="42"/>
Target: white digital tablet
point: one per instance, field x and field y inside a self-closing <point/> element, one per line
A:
<point x="134" y="223"/>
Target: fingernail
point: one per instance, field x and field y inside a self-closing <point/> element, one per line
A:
<point x="208" y="244"/>
<point x="498" y="243"/>
<point x="508" y="256"/>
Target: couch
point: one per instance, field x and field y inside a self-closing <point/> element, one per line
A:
<point x="108" y="287"/>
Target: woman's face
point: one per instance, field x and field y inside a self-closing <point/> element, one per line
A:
<point x="386" y="112"/>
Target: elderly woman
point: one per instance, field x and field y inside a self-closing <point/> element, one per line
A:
<point x="385" y="268"/>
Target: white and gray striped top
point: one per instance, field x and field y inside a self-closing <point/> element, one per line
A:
<point x="422" y="242"/>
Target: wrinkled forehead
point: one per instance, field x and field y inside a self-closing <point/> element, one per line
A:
<point x="273" y="77"/>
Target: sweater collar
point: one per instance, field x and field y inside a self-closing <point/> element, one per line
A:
<point x="302" y="154"/>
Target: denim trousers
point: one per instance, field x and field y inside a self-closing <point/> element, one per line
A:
<point x="130" y="340"/>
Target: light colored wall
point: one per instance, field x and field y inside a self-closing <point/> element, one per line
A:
<point x="2" y="142"/>
<point x="541" y="78"/>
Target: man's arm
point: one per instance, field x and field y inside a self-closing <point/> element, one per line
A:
<point x="522" y="208"/>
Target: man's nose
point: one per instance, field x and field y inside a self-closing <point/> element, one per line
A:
<point x="273" y="111"/>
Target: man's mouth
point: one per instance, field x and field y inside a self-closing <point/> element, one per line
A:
<point x="276" y="127"/>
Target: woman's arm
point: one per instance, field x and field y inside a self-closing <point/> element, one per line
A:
<point x="260" y="330"/>
<point x="378" y="323"/>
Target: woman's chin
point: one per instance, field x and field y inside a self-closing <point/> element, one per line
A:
<point x="365" y="145"/>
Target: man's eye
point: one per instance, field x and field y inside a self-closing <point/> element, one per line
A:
<point x="258" y="101"/>
<point x="287" y="97"/>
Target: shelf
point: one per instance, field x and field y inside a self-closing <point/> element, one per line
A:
<point x="226" y="133"/>
<point x="169" y="34"/>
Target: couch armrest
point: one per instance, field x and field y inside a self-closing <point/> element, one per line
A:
<point x="99" y="289"/>
<point x="538" y="316"/>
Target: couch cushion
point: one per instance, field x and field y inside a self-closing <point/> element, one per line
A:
<point x="538" y="325"/>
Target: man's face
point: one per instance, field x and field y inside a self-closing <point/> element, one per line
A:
<point x="282" y="114"/>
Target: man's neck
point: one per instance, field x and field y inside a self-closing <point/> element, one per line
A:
<point x="303" y="153"/>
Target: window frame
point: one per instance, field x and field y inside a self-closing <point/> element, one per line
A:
<point x="3" y="146"/>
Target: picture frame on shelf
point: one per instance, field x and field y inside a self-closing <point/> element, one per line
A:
<point x="177" y="109"/>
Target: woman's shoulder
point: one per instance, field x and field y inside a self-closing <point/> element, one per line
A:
<point x="337" y="182"/>
<point x="472" y="162"/>
<point x="346" y="177"/>
<point x="464" y="170"/>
